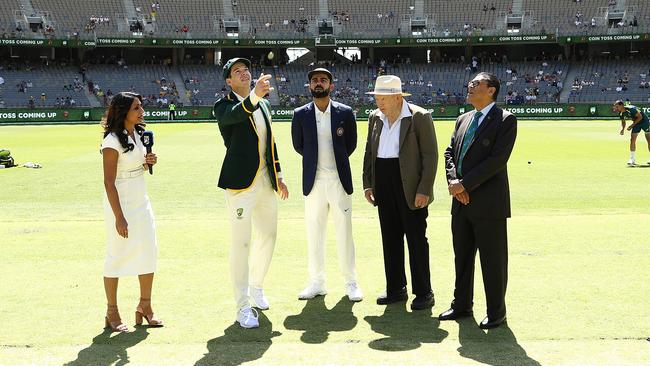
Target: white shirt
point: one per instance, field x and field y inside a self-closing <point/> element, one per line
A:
<point x="326" y="164"/>
<point x="485" y="111"/>
<point x="260" y="126"/>
<point x="389" y="138"/>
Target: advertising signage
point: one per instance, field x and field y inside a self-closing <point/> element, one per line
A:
<point x="547" y="38"/>
<point x="320" y="41"/>
<point x="606" y="38"/>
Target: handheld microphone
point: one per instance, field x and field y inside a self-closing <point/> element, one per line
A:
<point x="147" y="141"/>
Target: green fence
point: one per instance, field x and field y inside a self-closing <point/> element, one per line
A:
<point x="93" y="115"/>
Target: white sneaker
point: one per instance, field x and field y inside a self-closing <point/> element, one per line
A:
<point x="353" y="292"/>
<point x="648" y="162"/>
<point x="247" y="318"/>
<point x="312" y="291"/>
<point x="257" y="294"/>
<point x="631" y="162"/>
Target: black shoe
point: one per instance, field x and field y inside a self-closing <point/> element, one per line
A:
<point x="423" y="302"/>
<point x="453" y="314"/>
<point x="385" y="299"/>
<point x="489" y="324"/>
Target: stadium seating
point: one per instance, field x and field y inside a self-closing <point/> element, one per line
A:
<point x="441" y="83"/>
<point x="453" y="15"/>
<point x="598" y="81"/>
<point x="71" y="15"/>
<point x="279" y="19"/>
<point x="444" y="81"/>
<point x="199" y="15"/>
<point x="364" y="17"/>
<point x="49" y="80"/>
<point x="7" y="8"/>
<point x="282" y="18"/>
<point x="144" y="80"/>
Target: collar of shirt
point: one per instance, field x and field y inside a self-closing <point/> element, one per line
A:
<point x="485" y="111"/>
<point x="320" y="114"/>
<point x="254" y="98"/>
<point x="406" y="112"/>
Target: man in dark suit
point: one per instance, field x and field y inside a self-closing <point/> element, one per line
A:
<point x="324" y="132"/>
<point x="478" y="180"/>
<point x="251" y="175"/>
<point x="399" y="168"/>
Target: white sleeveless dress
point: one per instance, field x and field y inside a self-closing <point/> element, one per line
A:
<point x="136" y="254"/>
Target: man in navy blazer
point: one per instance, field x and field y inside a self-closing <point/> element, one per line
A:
<point x="324" y="132"/>
<point x="476" y="165"/>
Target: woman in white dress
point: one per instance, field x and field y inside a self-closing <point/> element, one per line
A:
<point x="131" y="245"/>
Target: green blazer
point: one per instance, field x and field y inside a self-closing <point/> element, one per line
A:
<point x="418" y="153"/>
<point x="237" y="127"/>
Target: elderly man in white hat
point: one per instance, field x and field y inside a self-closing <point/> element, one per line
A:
<point x="399" y="168"/>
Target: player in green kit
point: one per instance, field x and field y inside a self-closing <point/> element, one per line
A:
<point x="639" y="122"/>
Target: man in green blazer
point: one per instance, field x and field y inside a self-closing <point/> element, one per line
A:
<point x="399" y="168"/>
<point x="251" y="176"/>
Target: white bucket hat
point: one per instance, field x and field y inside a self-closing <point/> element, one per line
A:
<point x="388" y="85"/>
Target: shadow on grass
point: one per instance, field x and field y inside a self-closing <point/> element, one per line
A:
<point x="496" y="347"/>
<point x="239" y="345"/>
<point x="317" y="321"/>
<point x="404" y="331"/>
<point x="107" y="350"/>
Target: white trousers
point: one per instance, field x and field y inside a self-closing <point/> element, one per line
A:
<point x="327" y="196"/>
<point x="256" y="207"/>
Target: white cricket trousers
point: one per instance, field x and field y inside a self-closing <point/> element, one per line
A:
<point x="328" y="196"/>
<point x="255" y="207"/>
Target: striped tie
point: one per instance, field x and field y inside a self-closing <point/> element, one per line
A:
<point x="467" y="140"/>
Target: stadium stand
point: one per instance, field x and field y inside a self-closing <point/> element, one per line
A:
<point x="7" y="8"/>
<point x="465" y="17"/>
<point x="170" y="16"/>
<point x="379" y="18"/>
<point x="607" y="80"/>
<point x="42" y="84"/>
<point x="285" y="18"/>
<point x="598" y="78"/>
<point x="86" y="18"/>
<point x="588" y="17"/>
<point x="443" y="83"/>
<point x="151" y="81"/>
<point x="364" y="18"/>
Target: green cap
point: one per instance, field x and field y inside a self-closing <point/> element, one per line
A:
<point x="231" y="62"/>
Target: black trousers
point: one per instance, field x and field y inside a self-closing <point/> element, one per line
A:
<point x="490" y="238"/>
<point x="396" y="219"/>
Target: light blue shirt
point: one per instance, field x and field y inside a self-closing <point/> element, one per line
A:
<point x="485" y="111"/>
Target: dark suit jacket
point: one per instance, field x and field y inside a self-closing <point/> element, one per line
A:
<point x="418" y="153"/>
<point x="237" y="127"/>
<point x="305" y="141"/>
<point x="484" y="173"/>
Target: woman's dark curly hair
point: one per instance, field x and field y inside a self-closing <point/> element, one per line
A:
<point x="113" y="121"/>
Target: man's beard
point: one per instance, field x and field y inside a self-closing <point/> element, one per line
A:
<point x="320" y="93"/>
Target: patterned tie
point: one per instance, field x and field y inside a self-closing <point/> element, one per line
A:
<point x="467" y="140"/>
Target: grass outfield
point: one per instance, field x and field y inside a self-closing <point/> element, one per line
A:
<point x="578" y="244"/>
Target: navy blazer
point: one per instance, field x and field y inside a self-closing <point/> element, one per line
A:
<point x="305" y="141"/>
<point x="485" y="173"/>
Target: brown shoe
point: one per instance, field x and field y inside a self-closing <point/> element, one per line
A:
<point x="144" y="311"/>
<point x="113" y="321"/>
